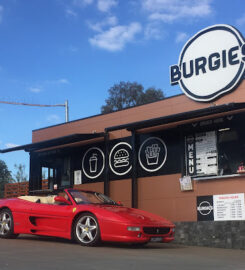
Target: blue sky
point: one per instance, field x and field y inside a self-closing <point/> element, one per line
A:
<point x="53" y="50"/>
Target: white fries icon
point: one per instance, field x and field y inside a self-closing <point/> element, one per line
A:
<point x="152" y="154"/>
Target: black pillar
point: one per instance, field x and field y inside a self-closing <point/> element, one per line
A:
<point x="134" y="185"/>
<point x="107" y="177"/>
<point x="35" y="175"/>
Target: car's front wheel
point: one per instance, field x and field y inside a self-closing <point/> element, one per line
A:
<point x="86" y="230"/>
<point x="6" y="224"/>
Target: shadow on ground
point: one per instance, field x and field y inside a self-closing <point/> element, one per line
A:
<point x="105" y="244"/>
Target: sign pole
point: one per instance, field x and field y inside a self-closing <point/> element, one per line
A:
<point x="67" y="111"/>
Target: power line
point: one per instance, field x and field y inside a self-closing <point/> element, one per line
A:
<point x="28" y="104"/>
<point x="40" y="105"/>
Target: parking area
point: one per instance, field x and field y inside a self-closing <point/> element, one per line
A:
<point x="28" y="252"/>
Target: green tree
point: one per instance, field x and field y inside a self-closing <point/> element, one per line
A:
<point x="151" y="95"/>
<point x="20" y="174"/>
<point x="5" y="177"/>
<point x="127" y="94"/>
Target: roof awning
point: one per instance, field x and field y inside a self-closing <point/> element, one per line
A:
<point x="215" y="109"/>
<point x="54" y="142"/>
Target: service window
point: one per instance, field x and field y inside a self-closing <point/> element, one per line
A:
<point x="231" y="151"/>
<point x="215" y="152"/>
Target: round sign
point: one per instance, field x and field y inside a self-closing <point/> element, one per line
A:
<point x="93" y="162"/>
<point x="211" y="63"/>
<point x="205" y="208"/>
<point x="152" y="154"/>
<point x="120" y="158"/>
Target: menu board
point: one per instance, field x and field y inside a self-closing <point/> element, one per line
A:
<point x="229" y="207"/>
<point x="206" y="153"/>
<point x="221" y="207"/>
<point x="201" y="154"/>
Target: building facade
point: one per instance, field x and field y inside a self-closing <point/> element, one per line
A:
<point x="179" y="158"/>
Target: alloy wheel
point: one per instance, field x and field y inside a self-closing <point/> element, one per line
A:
<point x="5" y="223"/>
<point x="86" y="229"/>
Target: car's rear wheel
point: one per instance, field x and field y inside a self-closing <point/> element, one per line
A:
<point x="7" y="224"/>
<point x="86" y="230"/>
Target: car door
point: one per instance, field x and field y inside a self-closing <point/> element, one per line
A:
<point x="50" y="219"/>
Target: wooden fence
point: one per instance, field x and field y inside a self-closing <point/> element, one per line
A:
<point x="20" y="189"/>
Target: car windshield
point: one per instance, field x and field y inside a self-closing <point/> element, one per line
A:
<point x="87" y="197"/>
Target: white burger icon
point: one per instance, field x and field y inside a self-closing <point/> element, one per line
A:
<point x="121" y="158"/>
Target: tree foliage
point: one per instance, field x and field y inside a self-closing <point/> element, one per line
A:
<point x="127" y="94"/>
<point x="5" y="177"/>
<point x="20" y="174"/>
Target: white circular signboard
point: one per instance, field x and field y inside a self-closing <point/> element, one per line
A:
<point x="211" y="63"/>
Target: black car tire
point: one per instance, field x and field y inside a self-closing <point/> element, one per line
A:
<point x="86" y="230"/>
<point x="7" y="224"/>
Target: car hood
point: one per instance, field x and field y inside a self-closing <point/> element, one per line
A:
<point x="137" y="216"/>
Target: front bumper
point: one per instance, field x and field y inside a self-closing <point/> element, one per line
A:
<point x="122" y="234"/>
<point x="143" y="237"/>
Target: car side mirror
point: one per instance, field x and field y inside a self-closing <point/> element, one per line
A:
<point x="62" y="200"/>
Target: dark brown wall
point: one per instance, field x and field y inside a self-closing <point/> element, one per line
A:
<point x="120" y="190"/>
<point x="162" y="195"/>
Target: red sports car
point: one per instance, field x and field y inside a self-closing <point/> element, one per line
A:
<point x="88" y="217"/>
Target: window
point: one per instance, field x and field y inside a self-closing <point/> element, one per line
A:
<point x="45" y="173"/>
<point x="231" y="151"/>
<point x="218" y="151"/>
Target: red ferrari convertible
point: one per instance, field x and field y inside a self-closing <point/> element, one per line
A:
<point x="88" y="217"/>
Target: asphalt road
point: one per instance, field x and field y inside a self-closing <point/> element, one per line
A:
<point x="34" y="253"/>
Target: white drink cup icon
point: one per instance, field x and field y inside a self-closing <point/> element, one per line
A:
<point x="93" y="161"/>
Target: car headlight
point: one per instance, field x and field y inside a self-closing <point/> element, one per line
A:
<point x="134" y="229"/>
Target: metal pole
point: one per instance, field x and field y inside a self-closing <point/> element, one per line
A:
<point x="107" y="177"/>
<point x="134" y="181"/>
<point x="67" y="111"/>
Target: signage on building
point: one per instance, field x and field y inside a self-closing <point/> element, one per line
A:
<point x="201" y="154"/>
<point x="185" y="183"/>
<point x="78" y="177"/>
<point x="211" y="63"/>
<point x="93" y="162"/>
<point x="205" y="209"/>
<point x="120" y="158"/>
<point x="152" y="154"/>
<point x="221" y="207"/>
<point x="229" y="207"/>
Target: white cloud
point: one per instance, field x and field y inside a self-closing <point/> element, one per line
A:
<point x="58" y="81"/>
<point x="116" y="37"/>
<point x="1" y="13"/>
<point x="53" y="119"/>
<point x="106" y="5"/>
<point x="241" y="20"/>
<point x="62" y="81"/>
<point x="73" y="49"/>
<point x="70" y="12"/>
<point x="153" y="31"/>
<point x="181" y="37"/>
<point x="171" y="10"/>
<point x="10" y="145"/>
<point x="98" y="27"/>
<point x="82" y="3"/>
<point x="35" y="89"/>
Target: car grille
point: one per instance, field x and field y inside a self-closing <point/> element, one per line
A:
<point x="156" y="230"/>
